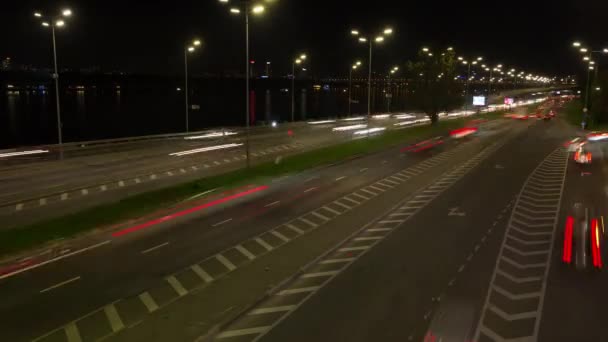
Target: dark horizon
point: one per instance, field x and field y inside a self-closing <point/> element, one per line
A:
<point x="150" y="39"/>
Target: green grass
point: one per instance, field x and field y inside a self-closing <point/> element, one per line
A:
<point x="20" y="238"/>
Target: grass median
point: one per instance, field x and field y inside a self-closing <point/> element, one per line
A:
<point x="22" y="238"/>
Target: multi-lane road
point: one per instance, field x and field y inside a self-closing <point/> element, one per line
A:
<point x="461" y="241"/>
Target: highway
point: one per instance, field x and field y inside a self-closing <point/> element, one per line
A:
<point x="136" y="271"/>
<point x="389" y="246"/>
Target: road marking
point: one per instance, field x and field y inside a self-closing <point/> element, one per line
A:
<point x="340" y="178"/>
<point x="152" y="177"/>
<point x="154" y="248"/>
<point x="310" y="223"/>
<point x="64" y="196"/>
<point x="319" y="274"/>
<point x="310" y="189"/>
<point x="60" y="284"/>
<point x="352" y="200"/>
<point x="177" y="286"/>
<point x="18" y="207"/>
<point x="121" y="184"/>
<point x="221" y="223"/>
<point x="194" y="168"/>
<point x="350" y="249"/>
<point x="217" y="163"/>
<point x="264" y="244"/>
<point x="206" y="166"/>
<point x="384" y="162"/>
<point x="369" y="192"/>
<point x="245" y="252"/>
<point x="361" y="196"/>
<point x="377" y="188"/>
<point x="72" y="333"/>
<point x="391" y="181"/>
<point x="342" y="205"/>
<point x="332" y="210"/>
<point x="391" y="221"/>
<point x="272" y="309"/>
<point x="114" y="318"/>
<point x="379" y="230"/>
<point x="169" y="173"/>
<point x="298" y="290"/>
<point x="310" y="179"/>
<point x="400" y="214"/>
<point x="43" y="201"/>
<point x="294" y="228"/>
<point x="227" y="160"/>
<point x="243" y="332"/>
<point x="271" y="204"/>
<point x="105" y="187"/>
<point x="85" y="192"/>
<point x="202" y="273"/>
<point x="324" y="218"/>
<point x="336" y="261"/>
<point x="280" y="236"/>
<point x="386" y="185"/>
<point x="148" y="301"/>
<point x="369" y="238"/>
<point x="363" y="169"/>
<point x="222" y="259"/>
<point x="461" y="268"/>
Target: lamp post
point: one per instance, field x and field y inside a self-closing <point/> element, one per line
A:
<point x="55" y="22"/>
<point x="256" y="10"/>
<point x="389" y="94"/>
<point x="187" y="50"/>
<point x="350" y="84"/>
<point x="296" y="61"/>
<point x="378" y="40"/>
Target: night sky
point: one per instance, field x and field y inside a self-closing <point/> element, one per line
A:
<point x="149" y="36"/>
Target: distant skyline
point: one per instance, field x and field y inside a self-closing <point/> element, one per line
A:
<point x="150" y="38"/>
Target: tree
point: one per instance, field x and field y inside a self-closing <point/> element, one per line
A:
<point x="435" y="83"/>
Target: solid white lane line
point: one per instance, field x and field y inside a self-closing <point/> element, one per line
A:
<point x="154" y="248"/>
<point x="319" y="274"/>
<point x="336" y="261"/>
<point x="271" y="204"/>
<point x="379" y="229"/>
<point x="280" y="236"/>
<point x="148" y="301"/>
<point x="60" y="284"/>
<point x="332" y="210"/>
<point x="72" y="333"/>
<point x="349" y="249"/>
<point x="224" y="261"/>
<point x="322" y="217"/>
<point x="245" y="252"/>
<point x="310" y="189"/>
<point x="202" y="273"/>
<point x="310" y="223"/>
<point x="264" y="244"/>
<point x="369" y="238"/>
<point x="114" y="318"/>
<point x="294" y="228"/>
<point x="272" y="309"/>
<point x="177" y="286"/>
<point x="400" y="214"/>
<point x="298" y="290"/>
<point x="391" y="221"/>
<point x="340" y="178"/>
<point x="221" y="223"/>
<point x="243" y="332"/>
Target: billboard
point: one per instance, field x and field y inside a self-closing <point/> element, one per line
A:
<point x="479" y="100"/>
<point x="509" y="101"/>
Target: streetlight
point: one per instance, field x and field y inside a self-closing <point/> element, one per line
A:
<point x="296" y="61"/>
<point x="469" y="64"/>
<point x="354" y="67"/>
<point x="188" y="49"/>
<point x="256" y="9"/>
<point x="379" y="39"/>
<point x="52" y="22"/>
<point x="389" y="94"/>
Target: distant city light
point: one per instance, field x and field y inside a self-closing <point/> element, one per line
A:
<point x="66" y="12"/>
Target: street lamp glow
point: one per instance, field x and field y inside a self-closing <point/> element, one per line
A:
<point x="583" y="50"/>
<point x="460" y="58"/>
<point x="298" y="61"/>
<point x="362" y="39"/>
<point x="358" y="63"/>
<point x="235" y="10"/>
<point x="45" y="24"/>
<point x="591" y="68"/>
<point x="450" y="48"/>
<point x="59" y="23"/>
<point x="430" y="54"/>
<point x="190" y="48"/>
<point x="480" y="58"/>
<point x="425" y="49"/>
<point x="303" y="57"/>
<point x="354" y="32"/>
<point x="576" y="44"/>
<point x="197" y="42"/>
<point x="355" y="67"/>
<point x="66" y="12"/>
<point x="258" y="9"/>
<point x="586" y="58"/>
<point x="37" y="14"/>
<point x="474" y="62"/>
<point x="499" y="66"/>
<point x="605" y="50"/>
<point x="465" y="62"/>
<point x="379" y="39"/>
<point x="224" y="1"/>
<point x="388" y="31"/>
<point x="592" y="62"/>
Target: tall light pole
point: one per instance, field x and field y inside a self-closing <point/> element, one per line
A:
<point x="296" y="61"/>
<point x="187" y="50"/>
<point x="378" y="40"/>
<point x="256" y="9"/>
<point x="491" y="69"/>
<point x="390" y="92"/>
<point x="350" y="84"/>
<point x="55" y="22"/>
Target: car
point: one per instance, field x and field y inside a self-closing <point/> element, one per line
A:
<point x="582" y="156"/>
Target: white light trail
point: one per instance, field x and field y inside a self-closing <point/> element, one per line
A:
<point x="211" y="135"/>
<point x="381" y="116"/>
<point x="22" y="153"/>
<point x="321" y="122"/>
<point x="348" y="128"/>
<point x="404" y="116"/>
<point x="205" y="149"/>
<point x="357" y="118"/>
<point x="369" y="131"/>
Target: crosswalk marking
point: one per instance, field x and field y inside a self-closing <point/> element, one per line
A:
<point x="272" y="309"/>
<point x="201" y="273"/>
<point x="264" y="244"/>
<point x="332" y="210"/>
<point x="322" y="217"/>
<point x="294" y="228"/>
<point x="280" y="236"/>
<point x="222" y="259"/>
<point x="177" y="286"/>
<point x="72" y="333"/>
<point x="114" y="318"/>
<point x="148" y="301"/>
<point x="245" y="252"/>
<point x="308" y="222"/>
